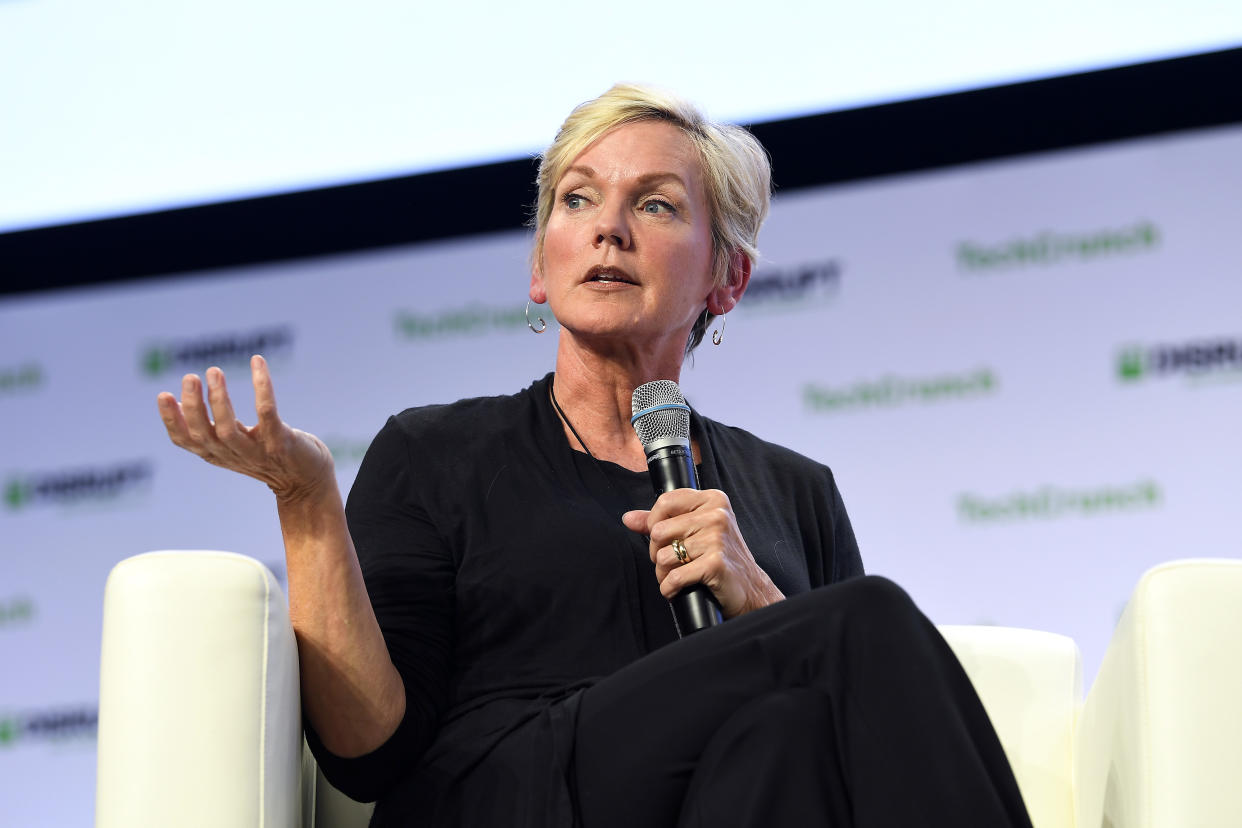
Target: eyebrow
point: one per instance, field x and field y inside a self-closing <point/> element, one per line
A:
<point x="643" y="180"/>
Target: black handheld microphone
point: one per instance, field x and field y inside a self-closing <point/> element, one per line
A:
<point x="662" y="420"/>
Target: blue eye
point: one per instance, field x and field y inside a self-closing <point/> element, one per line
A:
<point x="573" y="201"/>
<point x="656" y="207"/>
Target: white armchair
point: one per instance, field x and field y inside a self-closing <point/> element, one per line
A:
<point x="1156" y="743"/>
<point x="200" y="722"/>
<point x="200" y="710"/>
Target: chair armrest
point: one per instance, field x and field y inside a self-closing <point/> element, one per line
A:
<point x="1158" y="739"/>
<point x="323" y="806"/>
<point x="199" y="708"/>
<point x="1030" y="684"/>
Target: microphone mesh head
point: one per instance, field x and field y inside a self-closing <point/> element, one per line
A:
<point x="659" y="425"/>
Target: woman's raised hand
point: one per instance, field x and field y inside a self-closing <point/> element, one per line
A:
<point x="715" y="553"/>
<point x="293" y="463"/>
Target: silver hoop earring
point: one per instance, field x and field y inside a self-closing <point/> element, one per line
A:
<point x="543" y="326"/>
<point x="718" y="334"/>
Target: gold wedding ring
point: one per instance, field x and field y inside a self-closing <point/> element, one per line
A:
<point x="679" y="549"/>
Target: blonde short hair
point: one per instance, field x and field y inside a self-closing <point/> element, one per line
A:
<point x="736" y="170"/>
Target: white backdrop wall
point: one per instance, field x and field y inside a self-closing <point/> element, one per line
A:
<point x="1026" y="375"/>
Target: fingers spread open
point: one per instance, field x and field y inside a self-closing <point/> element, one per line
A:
<point x="221" y="406"/>
<point x="174" y="420"/>
<point x="264" y="395"/>
<point x="194" y="410"/>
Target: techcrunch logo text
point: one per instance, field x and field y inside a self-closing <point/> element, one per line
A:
<point x="891" y="391"/>
<point x="467" y="321"/>
<point x="196" y="355"/>
<point x="1050" y="248"/>
<point x="75" y="485"/>
<point x="1198" y="359"/>
<point x="48" y="725"/>
<point x="1053" y="502"/>
<point x="18" y="378"/>
<point x="810" y="283"/>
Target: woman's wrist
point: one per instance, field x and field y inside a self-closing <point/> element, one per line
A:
<point x="314" y="509"/>
<point x="311" y="492"/>
<point x="765" y="594"/>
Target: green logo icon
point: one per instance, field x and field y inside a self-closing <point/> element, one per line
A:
<point x="1199" y="361"/>
<point x="8" y="732"/>
<point x="19" y="610"/>
<point x="156" y="361"/>
<point x="16" y="493"/>
<point x="1131" y="365"/>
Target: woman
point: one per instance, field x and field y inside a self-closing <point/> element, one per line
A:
<point x="498" y="648"/>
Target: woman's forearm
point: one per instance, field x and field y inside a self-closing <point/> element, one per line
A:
<point x="351" y="692"/>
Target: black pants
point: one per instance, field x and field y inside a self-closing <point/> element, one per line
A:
<point x="840" y="707"/>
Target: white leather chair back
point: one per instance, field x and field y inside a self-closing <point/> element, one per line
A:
<point x="1030" y="684"/>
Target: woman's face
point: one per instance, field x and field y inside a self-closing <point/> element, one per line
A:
<point x="627" y="251"/>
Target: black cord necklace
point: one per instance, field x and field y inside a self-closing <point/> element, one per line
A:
<point x="561" y="413"/>
<point x="621" y="499"/>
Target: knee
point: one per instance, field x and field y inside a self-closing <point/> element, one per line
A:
<point x="871" y="597"/>
<point x="873" y="611"/>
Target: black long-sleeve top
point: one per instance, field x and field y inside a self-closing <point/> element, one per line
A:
<point x="504" y="582"/>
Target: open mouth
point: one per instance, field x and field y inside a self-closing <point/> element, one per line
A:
<point x="603" y="274"/>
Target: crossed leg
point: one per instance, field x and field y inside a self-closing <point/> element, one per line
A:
<point x="839" y="707"/>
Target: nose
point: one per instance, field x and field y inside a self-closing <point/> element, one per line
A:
<point x="611" y="227"/>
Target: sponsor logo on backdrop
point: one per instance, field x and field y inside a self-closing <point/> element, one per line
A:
<point x="1051" y="248"/>
<point x="771" y="288"/>
<point x="891" y="391"/>
<point x="812" y="283"/>
<point x="16" y="611"/>
<point x="1056" y="502"/>
<point x="15" y="379"/>
<point x="197" y="354"/>
<point x="77" y="485"/>
<point x="1195" y="360"/>
<point x="56" y="725"/>
<point x="470" y="320"/>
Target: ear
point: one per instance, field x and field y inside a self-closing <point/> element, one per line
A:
<point x="538" y="293"/>
<point x="724" y="298"/>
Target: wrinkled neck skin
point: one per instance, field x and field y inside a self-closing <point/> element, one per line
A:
<point x="595" y="382"/>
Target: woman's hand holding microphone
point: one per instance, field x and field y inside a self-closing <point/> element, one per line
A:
<point x="713" y="551"/>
